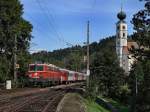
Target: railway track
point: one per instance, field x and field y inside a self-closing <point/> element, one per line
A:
<point x="16" y="103"/>
<point x="47" y="103"/>
<point x="42" y="101"/>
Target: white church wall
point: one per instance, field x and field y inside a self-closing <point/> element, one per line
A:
<point x="125" y="63"/>
<point x="131" y="61"/>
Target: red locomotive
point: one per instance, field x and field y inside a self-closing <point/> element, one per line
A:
<point x="49" y="74"/>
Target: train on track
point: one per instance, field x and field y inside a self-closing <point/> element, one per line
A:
<point x="49" y="74"/>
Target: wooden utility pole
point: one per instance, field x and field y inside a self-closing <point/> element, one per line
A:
<point x="15" y="61"/>
<point x="136" y="86"/>
<point x="88" y="57"/>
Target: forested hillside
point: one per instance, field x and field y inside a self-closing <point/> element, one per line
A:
<point x="106" y="78"/>
<point x="73" y="57"/>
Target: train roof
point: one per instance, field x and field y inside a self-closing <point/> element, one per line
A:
<point x="37" y="64"/>
<point x="44" y="64"/>
<point x="61" y="69"/>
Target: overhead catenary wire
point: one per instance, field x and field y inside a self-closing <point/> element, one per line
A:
<point x="53" y="19"/>
<point x="47" y="14"/>
<point x="42" y="31"/>
<point x="32" y="44"/>
<point x="49" y="21"/>
<point x="38" y="28"/>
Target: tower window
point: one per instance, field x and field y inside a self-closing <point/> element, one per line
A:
<point x="124" y="34"/>
<point x="123" y="27"/>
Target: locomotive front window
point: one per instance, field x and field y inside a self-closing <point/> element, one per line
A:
<point x="32" y="67"/>
<point x="36" y="68"/>
<point x="39" y="68"/>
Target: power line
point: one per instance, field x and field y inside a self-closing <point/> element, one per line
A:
<point x="52" y="17"/>
<point x="39" y="28"/>
<point x="50" y="23"/>
<point x="44" y="12"/>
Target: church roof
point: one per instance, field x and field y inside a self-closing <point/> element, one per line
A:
<point x="121" y="15"/>
<point x="130" y="45"/>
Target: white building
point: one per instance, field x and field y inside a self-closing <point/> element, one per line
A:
<point x="122" y="45"/>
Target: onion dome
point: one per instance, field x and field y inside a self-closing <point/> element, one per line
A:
<point x="121" y="15"/>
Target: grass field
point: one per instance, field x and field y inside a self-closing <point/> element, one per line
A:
<point x="91" y="106"/>
<point x="117" y="105"/>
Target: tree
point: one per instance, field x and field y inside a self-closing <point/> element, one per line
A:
<point x="106" y="74"/>
<point x="107" y="78"/>
<point x="13" y="25"/>
<point x="140" y="74"/>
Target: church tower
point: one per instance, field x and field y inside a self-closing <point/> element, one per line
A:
<point x="121" y="40"/>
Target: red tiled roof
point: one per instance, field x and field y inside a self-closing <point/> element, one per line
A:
<point x="132" y="44"/>
<point x="129" y="46"/>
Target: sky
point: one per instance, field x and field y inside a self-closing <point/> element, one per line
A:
<point x="59" y="24"/>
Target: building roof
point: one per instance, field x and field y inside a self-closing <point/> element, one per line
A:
<point x="130" y="45"/>
<point x="121" y="15"/>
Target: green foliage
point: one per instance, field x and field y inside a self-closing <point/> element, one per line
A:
<point x="117" y="105"/>
<point x="70" y="58"/>
<point x="94" y="107"/>
<point x="107" y="76"/>
<point x="12" y="25"/>
<point x="4" y="69"/>
<point x="74" y="61"/>
<point x="140" y="101"/>
<point x="141" y="22"/>
<point x="140" y="74"/>
<point x="124" y="93"/>
<point x="73" y="57"/>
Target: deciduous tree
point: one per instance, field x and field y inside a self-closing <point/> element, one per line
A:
<point x="13" y="25"/>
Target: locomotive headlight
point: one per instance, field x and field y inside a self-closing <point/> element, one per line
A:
<point x="35" y="74"/>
